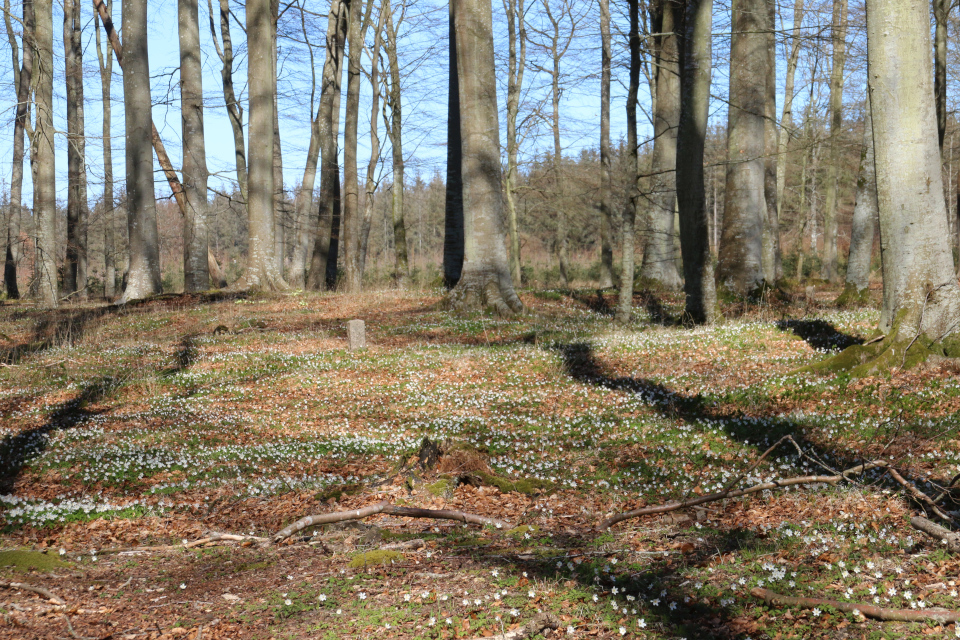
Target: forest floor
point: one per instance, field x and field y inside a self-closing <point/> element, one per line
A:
<point x="159" y="423"/>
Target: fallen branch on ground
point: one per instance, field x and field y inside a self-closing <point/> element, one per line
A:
<point x="406" y="545"/>
<point x="728" y="492"/>
<point x="942" y="616"/>
<point x="219" y="537"/>
<point x="950" y="538"/>
<point x="29" y="587"/>
<point x="388" y="509"/>
<point x="532" y="628"/>
<point x="919" y="496"/>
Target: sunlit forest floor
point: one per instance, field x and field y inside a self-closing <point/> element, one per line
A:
<point x="157" y="424"/>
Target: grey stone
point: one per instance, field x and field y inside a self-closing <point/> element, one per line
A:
<point x="356" y="335"/>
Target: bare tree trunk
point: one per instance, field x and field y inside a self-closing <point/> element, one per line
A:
<point x="196" y="273"/>
<point x="143" y="278"/>
<point x="485" y="280"/>
<point x="516" y="34"/>
<point x="105" y="65"/>
<point x="453" y="240"/>
<point x="329" y="116"/>
<point x="279" y="195"/>
<point x="234" y="109"/>
<point x="740" y="267"/>
<point x="786" y="120"/>
<point x="396" y="142"/>
<point x="75" y="274"/>
<point x="695" y="60"/>
<point x="864" y="216"/>
<point x="771" y="226"/>
<point x="371" y="183"/>
<point x="921" y="296"/>
<point x="659" y="256"/>
<point x="23" y="77"/>
<point x="625" y="302"/>
<point x="351" y="178"/>
<point x="606" y="206"/>
<point x="43" y="163"/>
<point x="261" y="272"/>
<point x="839" y="31"/>
<point x="941" y="15"/>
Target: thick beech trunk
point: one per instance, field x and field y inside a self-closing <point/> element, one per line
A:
<point x="394" y="100"/>
<point x="196" y="273"/>
<point x="351" y="179"/>
<point x="75" y="272"/>
<point x="105" y="65"/>
<point x="839" y="30"/>
<point x="606" y="205"/>
<point x="42" y="162"/>
<point x="485" y="281"/>
<point x="786" y="120"/>
<point x="771" y="225"/>
<point x="516" y="63"/>
<point x="453" y="242"/>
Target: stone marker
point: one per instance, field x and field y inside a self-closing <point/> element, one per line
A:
<point x="356" y="335"/>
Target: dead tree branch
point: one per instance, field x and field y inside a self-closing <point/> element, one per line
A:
<point x="949" y="538"/>
<point x="22" y="586"/>
<point x="388" y="509"/>
<point x="942" y="616"/>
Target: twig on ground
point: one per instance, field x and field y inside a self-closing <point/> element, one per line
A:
<point x="218" y="537"/>
<point x="949" y="538"/>
<point x="919" y="496"/>
<point x="942" y="616"/>
<point x="532" y="628"/>
<point x="389" y="509"/>
<point x="729" y="493"/>
<point x="406" y="545"/>
<point x="29" y="587"/>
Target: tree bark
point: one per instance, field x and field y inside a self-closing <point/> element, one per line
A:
<point x="279" y="194"/>
<point x="105" y="65"/>
<point x="43" y="162"/>
<point x="261" y="271"/>
<point x="695" y="60"/>
<point x="351" y="178"/>
<point x="23" y="77"/>
<point x="839" y="33"/>
<point x="234" y="109"/>
<point x="625" y="300"/>
<point x="659" y="256"/>
<point x="329" y="116"/>
<point x="143" y="278"/>
<point x="395" y="132"/>
<point x="453" y="241"/>
<point x="75" y="273"/>
<point x="864" y="215"/>
<point x="740" y="266"/>
<point x="196" y="273"/>
<point x="772" y="266"/>
<point x="921" y="296"/>
<point x="371" y="183"/>
<point x="485" y="280"/>
<point x="606" y="206"/>
<point x="516" y="63"/>
<point x="941" y="15"/>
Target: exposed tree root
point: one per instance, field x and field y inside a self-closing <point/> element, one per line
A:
<point x="532" y="628"/>
<point x="877" y="613"/>
<point x="29" y="587"/>
<point x="950" y="539"/>
<point x="389" y="509"/>
<point x="484" y="288"/>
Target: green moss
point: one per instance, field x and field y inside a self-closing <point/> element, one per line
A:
<point x="21" y="560"/>
<point x="375" y="558"/>
<point x="336" y="492"/>
<point x="951" y="346"/>
<point x="518" y="532"/>
<point x="848" y="359"/>
<point x="528" y="486"/>
<point x="853" y="297"/>
<point x="442" y="488"/>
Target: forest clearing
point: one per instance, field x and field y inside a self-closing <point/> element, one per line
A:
<point x="134" y="435"/>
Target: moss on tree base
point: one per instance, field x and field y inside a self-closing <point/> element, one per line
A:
<point x="484" y="289"/>
<point x="853" y="297"/>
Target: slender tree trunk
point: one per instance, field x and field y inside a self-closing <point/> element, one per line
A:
<point x="921" y="296"/>
<point x="351" y="178"/>
<point x="23" y="76"/>
<point x="839" y="31"/>
<point x="740" y="267"/>
<point x="695" y="60"/>
<point x="329" y="109"/>
<point x="75" y="274"/>
<point x="606" y="206"/>
<point x="786" y="120"/>
<point x="371" y="183"/>
<point x="659" y="256"/>
<point x="864" y="215"/>
<point x="625" y="302"/>
<point x="279" y="194"/>
<point x="43" y="162"/>
<point x="396" y="143"/>
<point x="105" y="64"/>
<point x="234" y="109"/>
<point x="485" y="280"/>
<point x="516" y="33"/>
<point x="562" y="241"/>
<point x="261" y="272"/>
<point x="453" y="241"/>
<point x="143" y="278"/>
<point x="772" y="266"/>
<point x="196" y="273"/>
